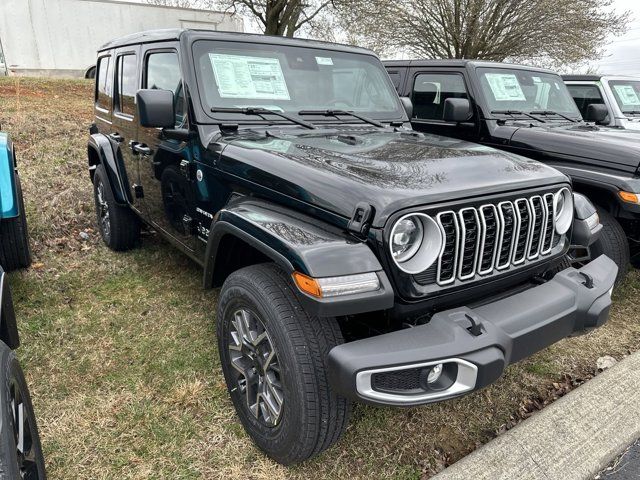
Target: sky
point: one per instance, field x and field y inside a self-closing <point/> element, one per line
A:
<point x="622" y="55"/>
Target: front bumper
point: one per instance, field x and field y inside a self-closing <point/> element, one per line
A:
<point x="392" y="369"/>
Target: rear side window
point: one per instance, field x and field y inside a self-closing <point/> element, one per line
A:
<point x="585" y="95"/>
<point x="104" y="84"/>
<point x="163" y="73"/>
<point x="431" y="90"/>
<point x="127" y="84"/>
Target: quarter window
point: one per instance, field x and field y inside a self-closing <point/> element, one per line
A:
<point x="430" y="91"/>
<point x="163" y="73"/>
<point x="585" y="95"/>
<point x="127" y="84"/>
<point x="104" y="84"/>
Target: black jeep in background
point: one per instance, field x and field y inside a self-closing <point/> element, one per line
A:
<point x="529" y="111"/>
<point x="357" y="259"/>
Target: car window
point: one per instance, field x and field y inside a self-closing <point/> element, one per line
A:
<point x="395" y="79"/>
<point x="163" y="72"/>
<point x="627" y="95"/>
<point x="585" y="95"/>
<point x="431" y="90"/>
<point x="127" y="84"/>
<point x="104" y="84"/>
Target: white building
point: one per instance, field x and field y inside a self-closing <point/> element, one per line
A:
<point x="60" y="37"/>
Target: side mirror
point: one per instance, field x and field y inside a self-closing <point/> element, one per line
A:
<point x="155" y="108"/>
<point x="596" y="112"/>
<point x="456" y="110"/>
<point x="408" y="106"/>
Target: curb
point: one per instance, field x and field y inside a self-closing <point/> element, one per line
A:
<point x="573" y="438"/>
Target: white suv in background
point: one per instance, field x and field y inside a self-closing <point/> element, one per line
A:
<point x="620" y="94"/>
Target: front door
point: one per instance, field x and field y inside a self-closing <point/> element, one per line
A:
<point x="429" y="91"/>
<point x="169" y="193"/>
<point x="124" y="129"/>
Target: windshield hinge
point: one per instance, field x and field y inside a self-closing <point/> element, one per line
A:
<point x="361" y="219"/>
<point x="228" y="128"/>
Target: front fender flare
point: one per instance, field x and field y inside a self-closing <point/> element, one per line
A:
<point x="299" y="243"/>
<point x="101" y="146"/>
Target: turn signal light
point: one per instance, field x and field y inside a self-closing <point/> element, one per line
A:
<point x="628" y="197"/>
<point x="307" y="284"/>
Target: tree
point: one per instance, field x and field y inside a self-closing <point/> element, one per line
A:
<point x="551" y="32"/>
<point x="281" y="17"/>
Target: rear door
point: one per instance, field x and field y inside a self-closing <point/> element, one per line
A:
<point x="124" y="129"/>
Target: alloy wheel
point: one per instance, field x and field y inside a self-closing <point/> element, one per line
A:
<point x="26" y="455"/>
<point x="103" y="211"/>
<point x="257" y="371"/>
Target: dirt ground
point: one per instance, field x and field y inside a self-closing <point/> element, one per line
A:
<point x="120" y="354"/>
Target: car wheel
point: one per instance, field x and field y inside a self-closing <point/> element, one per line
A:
<point x="613" y="243"/>
<point x="274" y="359"/>
<point x="119" y="226"/>
<point x="14" y="238"/>
<point x="20" y="449"/>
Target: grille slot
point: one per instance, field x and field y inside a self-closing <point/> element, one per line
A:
<point x="478" y="241"/>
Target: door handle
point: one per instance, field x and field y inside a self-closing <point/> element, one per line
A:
<point x="116" y="137"/>
<point x="140" y="149"/>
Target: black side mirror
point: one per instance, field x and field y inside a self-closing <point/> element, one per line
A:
<point x="456" y="110"/>
<point x="155" y="108"/>
<point x="596" y="112"/>
<point x="408" y="106"/>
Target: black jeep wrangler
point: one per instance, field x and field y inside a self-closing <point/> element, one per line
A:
<point x="530" y="112"/>
<point x="358" y="260"/>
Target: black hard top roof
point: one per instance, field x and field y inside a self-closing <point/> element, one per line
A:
<point x="586" y="78"/>
<point x="152" y="36"/>
<point x="460" y="63"/>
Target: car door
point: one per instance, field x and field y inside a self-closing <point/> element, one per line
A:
<point x="169" y="193"/>
<point x="124" y="120"/>
<point x="428" y="93"/>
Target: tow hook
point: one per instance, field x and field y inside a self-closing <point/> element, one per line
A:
<point x="474" y="329"/>
<point x="588" y="281"/>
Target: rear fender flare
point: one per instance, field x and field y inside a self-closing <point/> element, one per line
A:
<point x="100" y="151"/>
<point x="9" y="201"/>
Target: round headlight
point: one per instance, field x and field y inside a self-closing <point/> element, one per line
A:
<point x="415" y="242"/>
<point x="563" y="209"/>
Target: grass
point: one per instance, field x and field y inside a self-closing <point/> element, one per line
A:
<point x="119" y="349"/>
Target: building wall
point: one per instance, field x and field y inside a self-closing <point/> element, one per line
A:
<point x="61" y="37"/>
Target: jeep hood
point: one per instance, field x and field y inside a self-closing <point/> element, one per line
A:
<point x="386" y="169"/>
<point x="582" y="143"/>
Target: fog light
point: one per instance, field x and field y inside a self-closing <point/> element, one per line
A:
<point x="435" y="373"/>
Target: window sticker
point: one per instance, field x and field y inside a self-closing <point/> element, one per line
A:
<point x="324" y="61"/>
<point x="627" y="94"/>
<point x="505" y="87"/>
<point x="249" y="77"/>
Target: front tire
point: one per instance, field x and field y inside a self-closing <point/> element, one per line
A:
<point x="274" y="359"/>
<point x="14" y="238"/>
<point x="20" y="448"/>
<point x="613" y="243"/>
<point x="119" y="226"/>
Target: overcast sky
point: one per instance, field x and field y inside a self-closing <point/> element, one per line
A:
<point x="623" y="53"/>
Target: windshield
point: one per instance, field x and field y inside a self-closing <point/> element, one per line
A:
<point x="627" y="95"/>
<point x="291" y="79"/>
<point x="526" y="91"/>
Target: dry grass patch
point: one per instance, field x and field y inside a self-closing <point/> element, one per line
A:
<point x="120" y="350"/>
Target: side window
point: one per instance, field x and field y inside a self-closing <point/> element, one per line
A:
<point x="127" y="77"/>
<point x="104" y="84"/>
<point x="584" y="95"/>
<point x="163" y="72"/>
<point x="430" y="90"/>
<point x="395" y="79"/>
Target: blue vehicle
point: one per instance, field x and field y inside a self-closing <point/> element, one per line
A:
<point x="14" y="240"/>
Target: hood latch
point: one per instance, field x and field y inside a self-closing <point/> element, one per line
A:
<point x="361" y="219"/>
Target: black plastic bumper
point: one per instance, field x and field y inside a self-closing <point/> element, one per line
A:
<point x="512" y="328"/>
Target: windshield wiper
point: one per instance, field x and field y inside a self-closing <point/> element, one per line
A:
<point x="513" y="113"/>
<point x="551" y="112"/>
<point x="262" y="111"/>
<point x="337" y="113"/>
<point x="632" y="112"/>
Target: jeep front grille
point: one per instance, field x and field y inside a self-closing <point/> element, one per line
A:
<point x="480" y="240"/>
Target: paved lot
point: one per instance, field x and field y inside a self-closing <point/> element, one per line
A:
<point x="625" y="467"/>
